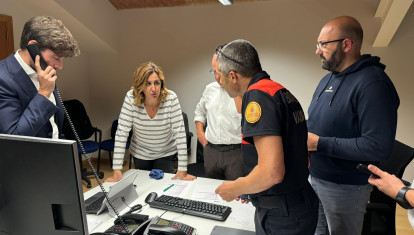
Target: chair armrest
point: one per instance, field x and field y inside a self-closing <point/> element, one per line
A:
<point x="98" y="138"/>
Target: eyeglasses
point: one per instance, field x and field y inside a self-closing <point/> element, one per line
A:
<point x="321" y="45"/>
<point x="212" y="72"/>
<point x="219" y="47"/>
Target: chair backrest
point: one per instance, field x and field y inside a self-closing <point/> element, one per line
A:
<point x="401" y="156"/>
<point x="188" y="134"/>
<point x="80" y="120"/>
<point x="200" y="148"/>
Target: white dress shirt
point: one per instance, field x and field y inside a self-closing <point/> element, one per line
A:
<point x="219" y="110"/>
<point x="35" y="79"/>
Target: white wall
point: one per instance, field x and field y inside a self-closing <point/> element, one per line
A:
<point x="182" y="40"/>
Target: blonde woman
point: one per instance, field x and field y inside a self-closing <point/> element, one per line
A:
<point x="154" y="114"/>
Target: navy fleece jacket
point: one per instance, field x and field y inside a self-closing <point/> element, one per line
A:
<point x="355" y="114"/>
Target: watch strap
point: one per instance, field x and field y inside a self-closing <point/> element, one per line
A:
<point x="401" y="200"/>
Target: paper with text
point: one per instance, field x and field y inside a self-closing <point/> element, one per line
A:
<point x="206" y="193"/>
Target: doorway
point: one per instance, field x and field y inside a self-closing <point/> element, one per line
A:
<point x="6" y="36"/>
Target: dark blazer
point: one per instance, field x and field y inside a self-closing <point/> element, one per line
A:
<point x="22" y="110"/>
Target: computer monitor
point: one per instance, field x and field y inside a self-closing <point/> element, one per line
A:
<point x="40" y="187"/>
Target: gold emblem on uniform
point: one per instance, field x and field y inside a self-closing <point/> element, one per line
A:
<point x="253" y="112"/>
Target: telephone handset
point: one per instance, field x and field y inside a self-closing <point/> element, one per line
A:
<point x="132" y="222"/>
<point x="168" y="227"/>
<point x="34" y="51"/>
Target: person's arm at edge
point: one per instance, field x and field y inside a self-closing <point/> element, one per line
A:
<point x="388" y="184"/>
<point x="269" y="171"/>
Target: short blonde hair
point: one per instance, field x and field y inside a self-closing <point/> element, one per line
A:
<point x="141" y="76"/>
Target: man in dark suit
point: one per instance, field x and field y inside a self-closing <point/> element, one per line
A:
<point x="29" y="102"/>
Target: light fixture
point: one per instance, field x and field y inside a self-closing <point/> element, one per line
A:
<point x="226" y="2"/>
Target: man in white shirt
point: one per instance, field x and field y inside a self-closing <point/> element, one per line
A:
<point x="222" y="137"/>
<point x="29" y="103"/>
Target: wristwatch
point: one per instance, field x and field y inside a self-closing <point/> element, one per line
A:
<point x="401" y="198"/>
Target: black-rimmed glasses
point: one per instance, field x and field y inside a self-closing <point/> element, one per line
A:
<point x="219" y="47"/>
<point x="321" y="45"/>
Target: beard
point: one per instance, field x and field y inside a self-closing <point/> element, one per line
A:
<point x="336" y="59"/>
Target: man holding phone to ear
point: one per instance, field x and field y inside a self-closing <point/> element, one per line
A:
<point x="29" y="104"/>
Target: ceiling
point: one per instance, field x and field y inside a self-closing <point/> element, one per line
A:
<point x="132" y="4"/>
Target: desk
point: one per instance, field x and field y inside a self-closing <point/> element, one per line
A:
<point x="145" y="185"/>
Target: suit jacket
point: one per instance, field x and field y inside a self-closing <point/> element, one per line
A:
<point x="22" y="110"/>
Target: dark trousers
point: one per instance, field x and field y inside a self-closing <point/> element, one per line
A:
<point x="223" y="165"/>
<point x="165" y="164"/>
<point x="293" y="213"/>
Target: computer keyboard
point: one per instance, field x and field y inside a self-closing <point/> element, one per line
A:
<point x="191" y="207"/>
<point x="94" y="206"/>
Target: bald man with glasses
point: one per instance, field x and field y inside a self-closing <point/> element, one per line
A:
<point x="352" y="120"/>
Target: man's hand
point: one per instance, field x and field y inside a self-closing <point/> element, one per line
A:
<point x="47" y="78"/>
<point x="227" y="191"/>
<point x="387" y="183"/>
<point x="202" y="138"/>
<point x="117" y="176"/>
<point x="182" y="175"/>
<point x="312" y="142"/>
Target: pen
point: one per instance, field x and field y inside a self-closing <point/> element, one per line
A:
<point x="168" y="187"/>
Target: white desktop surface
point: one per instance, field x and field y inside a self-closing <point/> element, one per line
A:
<point x="145" y="185"/>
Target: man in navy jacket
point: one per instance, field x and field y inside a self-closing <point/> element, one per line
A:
<point x="29" y="103"/>
<point x="352" y="119"/>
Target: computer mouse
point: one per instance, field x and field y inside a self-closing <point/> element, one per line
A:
<point x="151" y="197"/>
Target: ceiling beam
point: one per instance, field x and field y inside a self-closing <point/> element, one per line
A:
<point x="391" y="12"/>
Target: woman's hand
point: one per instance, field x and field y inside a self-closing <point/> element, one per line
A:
<point x="117" y="176"/>
<point x="182" y="175"/>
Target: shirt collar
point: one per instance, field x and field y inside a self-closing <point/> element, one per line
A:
<point x="29" y="70"/>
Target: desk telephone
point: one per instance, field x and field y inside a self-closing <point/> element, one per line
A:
<point x="154" y="226"/>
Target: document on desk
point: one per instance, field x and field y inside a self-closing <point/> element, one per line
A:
<point x="206" y="193"/>
<point x="243" y="214"/>
<point x="93" y="223"/>
<point x="175" y="188"/>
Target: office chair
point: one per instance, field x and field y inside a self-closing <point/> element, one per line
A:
<point x="109" y="144"/>
<point x="380" y="216"/>
<point x="85" y="130"/>
<point x="197" y="168"/>
<point x="188" y="134"/>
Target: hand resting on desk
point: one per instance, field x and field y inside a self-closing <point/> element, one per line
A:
<point x="182" y="175"/>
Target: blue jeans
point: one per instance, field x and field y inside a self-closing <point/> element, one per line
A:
<point x="341" y="207"/>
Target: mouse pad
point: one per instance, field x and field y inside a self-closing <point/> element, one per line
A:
<point x="220" y="230"/>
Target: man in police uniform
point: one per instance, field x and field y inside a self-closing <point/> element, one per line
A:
<point x="274" y="146"/>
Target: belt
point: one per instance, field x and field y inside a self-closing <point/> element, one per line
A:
<point x="224" y="147"/>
